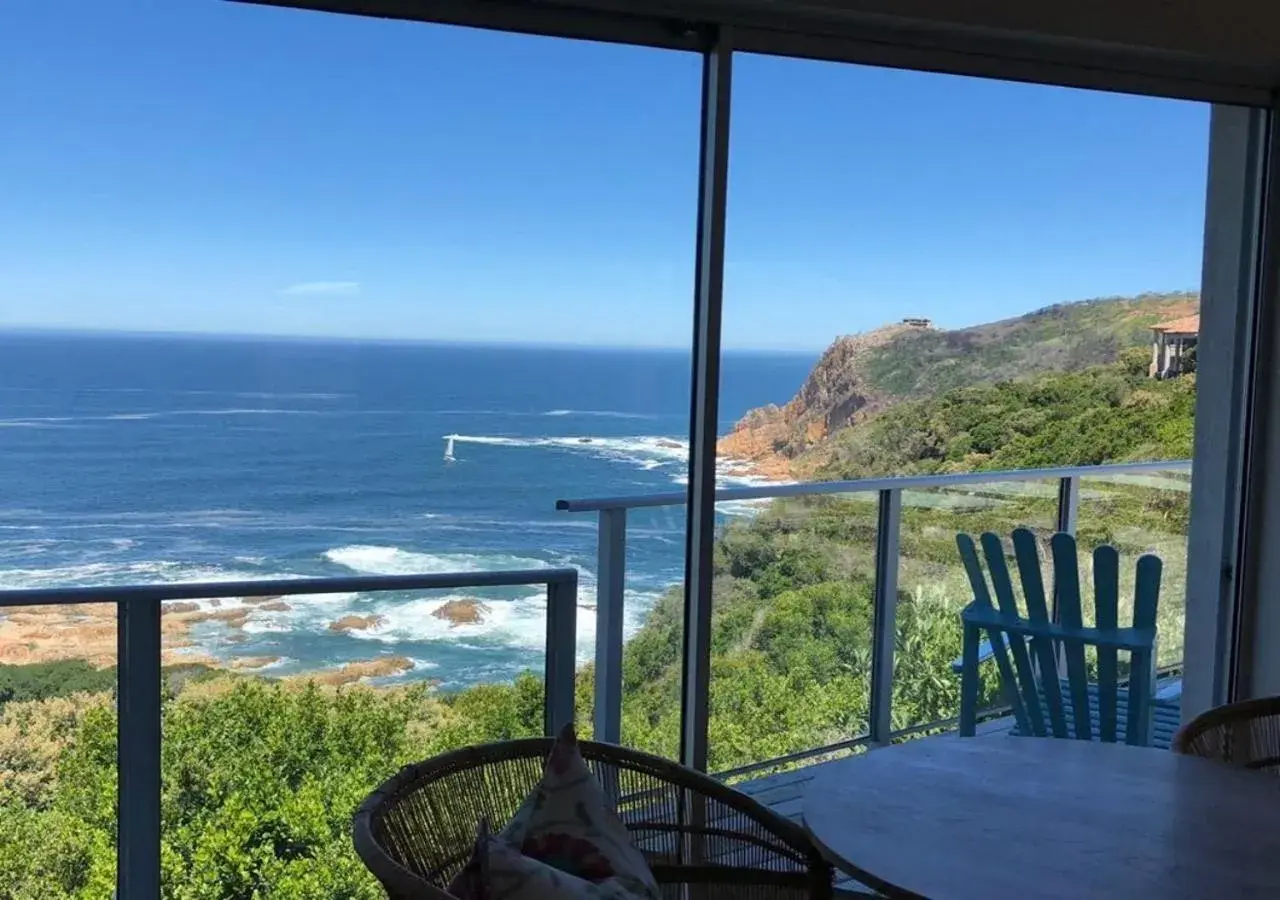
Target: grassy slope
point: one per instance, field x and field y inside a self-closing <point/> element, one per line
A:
<point x="1103" y="414"/>
<point x="1066" y="337"/>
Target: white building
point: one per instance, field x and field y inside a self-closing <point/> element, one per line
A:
<point x="1171" y="341"/>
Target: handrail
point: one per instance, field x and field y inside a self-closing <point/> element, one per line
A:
<point x="285" y="587"/>
<point x="139" y="683"/>
<point x="612" y="515"/>
<point x="890" y="483"/>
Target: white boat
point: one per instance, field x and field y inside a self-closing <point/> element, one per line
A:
<point x="448" y="450"/>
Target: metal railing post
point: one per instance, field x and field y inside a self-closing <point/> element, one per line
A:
<point x="1068" y="503"/>
<point x="611" y="569"/>
<point x="1068" y="514"/>
<point x="562" y="645"/>
<point x="885" y="628"/>
<point x="138" y="749"/>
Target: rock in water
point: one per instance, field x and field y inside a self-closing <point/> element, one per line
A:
<point x="356" y="623"/>
<point x="253" y="662"/>
<point x="381" y="667"/>
<point x="462" y="612"/>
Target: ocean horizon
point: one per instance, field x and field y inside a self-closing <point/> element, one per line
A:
<point x="19" y="331"/>
<point x="150" y="458"/>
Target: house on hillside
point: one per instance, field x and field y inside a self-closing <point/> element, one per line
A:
<point x="1170" y="342"/>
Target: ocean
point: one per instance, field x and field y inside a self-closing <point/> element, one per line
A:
<point x="129" y="459"/>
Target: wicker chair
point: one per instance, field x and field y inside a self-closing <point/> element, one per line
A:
<point x="417" y="830"/>
<point x="1243" y="734"/>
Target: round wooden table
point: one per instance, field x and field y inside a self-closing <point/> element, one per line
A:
<point x="950" y="818"/>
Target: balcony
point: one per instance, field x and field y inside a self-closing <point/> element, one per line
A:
<point x="901" y="521"/>
<point x="1074" y="500"/>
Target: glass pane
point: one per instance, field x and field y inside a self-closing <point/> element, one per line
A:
<point x="654" y="627"/>
<point x="335" y="296"/>
<point x="791" y="639"/>
<point x="979" y="276"/>
<point x="411" y="675"/>
<point x="1142" y="512"/>
<point x="57" y="739"/>
<point x="933" y="586"/>
<point x="655" y="562"/>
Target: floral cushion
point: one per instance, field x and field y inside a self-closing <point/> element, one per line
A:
<point x="569" y="824"/>
<point x="498" y="871"/>
<point x="514" y="876"/>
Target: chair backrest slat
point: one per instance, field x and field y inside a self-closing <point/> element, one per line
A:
<point x="1146" y="599"/>
<point x="1028" y="556"/>
<point x="1066" y="574"/>
<point x="1025" y="683"/>
<point x="1146" y="591"/>
<point x="1036" y="691"/>
<point x="1106" y="596"/>
<point x="982" y="598"/>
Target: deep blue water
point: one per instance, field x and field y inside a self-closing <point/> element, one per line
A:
<point x="133" y="459"/>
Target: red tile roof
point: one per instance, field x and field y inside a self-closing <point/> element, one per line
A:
<point x="1185" y="325"/>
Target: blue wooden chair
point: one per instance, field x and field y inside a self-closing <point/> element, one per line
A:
<point x="1029" y="650"/>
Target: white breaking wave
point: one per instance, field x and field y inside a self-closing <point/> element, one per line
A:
<point x="379" y="560"/>
<point x="68" y="421"/>
<point x="601" y="413"/>
<point x="649" y="452"/>
<point x="741" y="508"/>
<point x="268" y="625"/>
<point x="520" y="623"/>
<point x="514" y="622"/>
<point x="116" y="573"/>
<point x="732" y="473"/>
<point x="646" y="451"/>
<point x="248" y="411"/>
<point x="35" y="423"/>
<point x="271" y="395"/>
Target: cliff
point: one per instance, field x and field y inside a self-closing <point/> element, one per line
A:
<point x="860" y="375"/>
<point x="836" y="392"/>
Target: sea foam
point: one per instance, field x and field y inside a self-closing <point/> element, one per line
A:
<point x="381" y="560"/>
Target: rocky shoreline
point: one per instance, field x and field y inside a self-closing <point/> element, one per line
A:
<point x="87" y="631"/>
<point x="773" y="440"/>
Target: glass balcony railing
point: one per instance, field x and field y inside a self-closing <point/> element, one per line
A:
<point x="155" y="778"/>
<point x="835" y="606"/>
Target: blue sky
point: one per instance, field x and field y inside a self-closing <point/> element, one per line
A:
<point x="204" y="166"/>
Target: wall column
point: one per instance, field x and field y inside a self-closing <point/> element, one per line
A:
<point x="717" y="75"/>
<point x="1225" y="569"/>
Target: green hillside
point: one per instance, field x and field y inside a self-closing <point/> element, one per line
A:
<point x="1103" y="414"/>
<point x="1062" y="338"/>
<point x="860" y="376"/>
